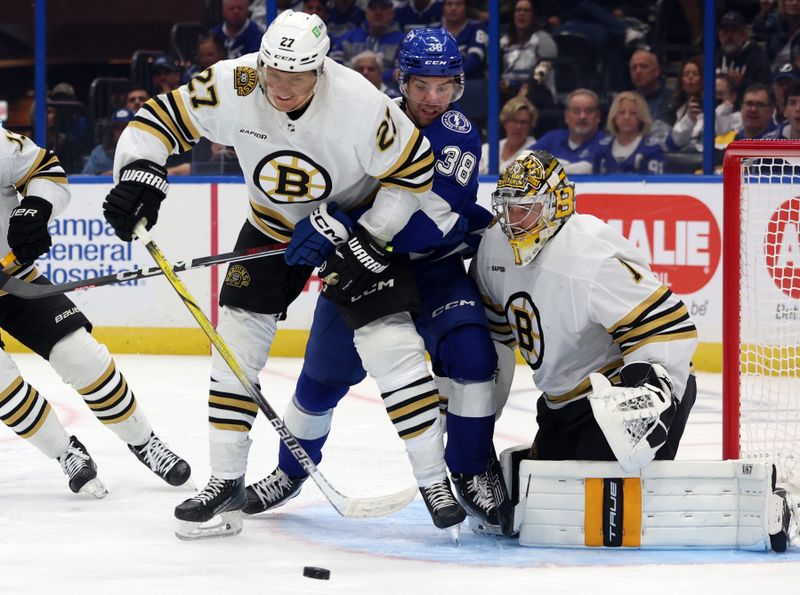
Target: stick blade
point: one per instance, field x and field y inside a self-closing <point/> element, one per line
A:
<point x="376" y="506"/>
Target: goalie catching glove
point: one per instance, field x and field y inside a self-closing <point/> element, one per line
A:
<point x="142" y="186"/>
<point x="353" y="267"/>
<point x="636" y="416"/>
<point x="315" y="237"/>
<point x="28" y="236"/>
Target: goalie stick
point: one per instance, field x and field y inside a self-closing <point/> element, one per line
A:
<point x="26" y="290"/>
<point x="344" y="505"/>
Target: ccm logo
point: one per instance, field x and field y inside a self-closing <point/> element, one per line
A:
<point x="67" y="314"/>
<point x="451" y="305"/>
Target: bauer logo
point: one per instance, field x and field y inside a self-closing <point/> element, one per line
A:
<point x="782" y="247"/>
<point x="678" y="233"/>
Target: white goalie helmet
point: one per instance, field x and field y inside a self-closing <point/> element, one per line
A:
<point x="294" y="42"/>
<point x="532" y="201"/>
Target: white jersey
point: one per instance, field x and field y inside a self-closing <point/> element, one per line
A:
<point x="587" y="303"/>
<point x="27" y="170"/>
<point x="351" y="142"/>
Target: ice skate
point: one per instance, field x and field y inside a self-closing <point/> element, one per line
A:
<point x="197" y="516"/>
<point x="271" y="492"/>
<point x="162" y="461"/>
<point x="475" y="494"/>
<point x="445" y="511"/>
<point x="81" y="470"/>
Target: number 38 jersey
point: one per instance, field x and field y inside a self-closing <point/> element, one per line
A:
<point x="350" y="143"/>
<point x="587" y="303"/>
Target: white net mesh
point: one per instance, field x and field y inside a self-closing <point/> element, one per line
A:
<point x="769" y="382"/>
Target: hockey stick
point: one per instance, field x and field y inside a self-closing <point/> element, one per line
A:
<point x="344" y="505"/>
<point x="24" y="289"/>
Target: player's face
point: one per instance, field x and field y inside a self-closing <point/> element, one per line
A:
<point x="627" y="118"/>
<point x="525" y="217"/>
<point x="288" y="91"/>
<point x="428" y="97"/>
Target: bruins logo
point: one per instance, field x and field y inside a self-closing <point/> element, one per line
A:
<point x="526" y="325"/>
<point x="237" y="276"/>
<point x="287" y="177"/>
<point x="245" y="80"/>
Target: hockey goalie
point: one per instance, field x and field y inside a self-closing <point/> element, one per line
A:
<point x="610" y="347"/>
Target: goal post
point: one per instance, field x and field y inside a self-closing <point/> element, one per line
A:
<point x="761" y="303"/>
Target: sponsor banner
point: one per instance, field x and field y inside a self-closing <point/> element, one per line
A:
<point x="677" y="226"/>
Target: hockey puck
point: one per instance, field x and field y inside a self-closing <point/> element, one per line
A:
<point x="316" y="572"/>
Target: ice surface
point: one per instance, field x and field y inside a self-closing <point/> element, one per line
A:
<point x="53" y="541"/>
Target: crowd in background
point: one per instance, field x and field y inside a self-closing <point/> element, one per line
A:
<point x="600" y="84"/>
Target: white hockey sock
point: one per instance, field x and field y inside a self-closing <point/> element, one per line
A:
<point x="88" y="367"/>
<point x="26" y="412"/>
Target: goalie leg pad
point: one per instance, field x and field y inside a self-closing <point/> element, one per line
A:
<point x="668" y="504"/>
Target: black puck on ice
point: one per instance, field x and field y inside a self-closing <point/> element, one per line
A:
<point x="316" y="572"/>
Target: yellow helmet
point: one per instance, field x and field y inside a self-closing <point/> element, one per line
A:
<point x="533" y="200"/>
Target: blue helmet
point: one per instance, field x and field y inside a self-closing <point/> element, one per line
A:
<point x="431" y="52"/>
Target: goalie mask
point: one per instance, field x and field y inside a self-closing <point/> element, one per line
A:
<point x="533" y="200"/>
<point x="295" y="43"/>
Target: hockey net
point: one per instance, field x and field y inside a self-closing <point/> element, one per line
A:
<point x="761" y="304"/>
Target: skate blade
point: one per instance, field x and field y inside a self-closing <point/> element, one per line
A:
<point x="94" y="487"/>
<point x="481" y="528"/>
<point x="454" y="533"/>
<point x="226" y="524"/>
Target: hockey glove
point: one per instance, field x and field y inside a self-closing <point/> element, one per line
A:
<point x="142" y="186"/>
<point x="635" y="417"/>
<point x="352" y="267"/>
<point x="315" y="237"/>
<point x="28" y="236"/>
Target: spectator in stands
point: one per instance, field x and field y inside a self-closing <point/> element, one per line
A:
<point x="210" y="50"/>
<point x="368" y="63"/>
<point x="214" y="159"/>
<point x="648" y="82"/>
<point x="165" y="75"/>
<point x="738" y="57"/>
<point x="317" y="7"/>
<point x="470" y="35"/>
<point x="258" y="9"/>
<point x="535" y="89"/>
<point x="518" y="118"/>
<point x="630" y="149"/>
<point x="777" y="30"/>
<point x="726" y="115"/>
<point x="601" y="26"/>
<point x="687" y="133"/>
<point x="136" y="97"/>
<point x="522" y="47"/>
<point x="576" y="147"/>
<point x="240" y="34"/>
<point x="68" y="132"/>
<point x="101" y="159"/>
<point x="344" y="15"/>
<point x="419" y="13"/>
<point x="757" y="107"/>
<point x="791" y="129"/>
<point x="379" y="33"/>
<point x="782" y="78"/>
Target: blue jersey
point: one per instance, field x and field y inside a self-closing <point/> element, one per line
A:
<point x="246" y="42"/>
<point x="340" y="22"/>
<point x="456" y="146"/>
<point x="647" y="158"/>
<point x="408" y="17"/>
<point x="579" y="160"/>
<point x="473" y="40"/>
<point x="355" y="41"/>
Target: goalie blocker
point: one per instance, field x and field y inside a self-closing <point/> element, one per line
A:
<point x="667" y="505"/>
